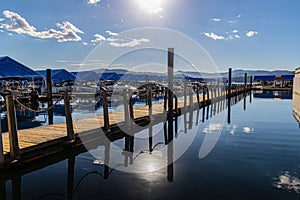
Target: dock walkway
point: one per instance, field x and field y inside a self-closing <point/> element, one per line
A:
<point x="37" y="140"/>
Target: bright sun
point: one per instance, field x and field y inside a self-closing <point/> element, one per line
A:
<point x="151" y="6"/>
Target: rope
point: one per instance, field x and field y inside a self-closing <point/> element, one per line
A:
<point x="38" y="111"/>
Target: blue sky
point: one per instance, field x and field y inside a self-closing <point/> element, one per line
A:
<point x="241" y="34"/>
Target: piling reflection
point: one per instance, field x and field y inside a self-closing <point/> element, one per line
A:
<point x="153" y="152"/>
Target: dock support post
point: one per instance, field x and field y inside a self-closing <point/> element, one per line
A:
<point x="207" y="92"/>
<point x="204" y="93"/>
<point x="184" y="94"/>
<point x="131" y="112"/>
<point x="170" y="81"/>
<point x="191" y="98"/>
<point x="245" y="82"/>
<point x="126" y="108"/>
<point x="69" y="121"/>
<point x="147" y="88"/>
<point x="49" y="96"/>
<point x="1" y="147"/>
<point x="150" y="103"/>
<point x="12" y="128"/>
<point x="105" y="110"/>
<point x="198" y="97"/>
<point x="229" y="82"/>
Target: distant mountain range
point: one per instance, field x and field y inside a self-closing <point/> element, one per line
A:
<point x="237" y="75"/>
<point x="240" y="73"/>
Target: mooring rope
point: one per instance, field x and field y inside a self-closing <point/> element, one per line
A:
<point x="38" y="111"/>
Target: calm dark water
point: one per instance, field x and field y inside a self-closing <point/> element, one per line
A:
<point x="256" y="156"/>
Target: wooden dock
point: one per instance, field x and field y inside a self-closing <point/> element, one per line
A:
<point x="39" y="142"/>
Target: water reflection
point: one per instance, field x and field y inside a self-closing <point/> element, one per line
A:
<point x="288" y="182"/>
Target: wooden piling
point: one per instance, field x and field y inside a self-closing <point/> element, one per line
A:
<point x="170" y="81"/>
<point x="229" y="81"/>
<point x="185" y="94"/>
<point x="198" y="96"/>
<point x="12" y="128"/>
<point x="49" y="96"/>
<point x="1" y="146"/>
<point x="105" y="110"/>
<point x="131" y="112"/>
<point x="150" y="103"/>
<point x="245" y="82"/>
<point x="191" y="98"/>
<point x="147" y="88"/>
<point x="204" y="94"/>
<point x="126" y="108"/>
<point x="69" y="121"/>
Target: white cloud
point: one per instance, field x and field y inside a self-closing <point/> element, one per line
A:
<point x="1" y="19"/>
<point x="235" y="31"/>
<point x="85" y="43"/>
<point x="214" y="36"/>
<point x="128" y="42"/>
<point x="237" y="36"/>
<point x="251" y="33"/>
<point x="239" y="16"/>
<point x="98" y="38"/>
<point x="215" y="19"/>
<point x="111" y="33"/>
<point x="92" y="2"/>
<point x="19" y="25"/>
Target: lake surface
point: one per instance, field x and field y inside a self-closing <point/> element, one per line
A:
<point x="255" y="156"/>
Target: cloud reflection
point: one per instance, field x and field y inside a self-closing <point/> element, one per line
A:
<point x="288" y="182"/>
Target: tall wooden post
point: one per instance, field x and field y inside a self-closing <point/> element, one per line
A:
<point x="184" y="94"/>
<point x="147" y="88"/>
<point x="126" y="108"/>
<point x="49" y="96"/>
<point x="150" y="103"/>
<point x="170" y="81"/>
<point x="245" y="82"/>
<point x="229" y="81"/>
<point x="1" y="146"/>
<point x="191" y="98"/>
<point x="12" y="128"/>
<point x="204" y="93"/>
<point x="105" y="110"/>
<point x="198" y="96"/>
<point x="69" y="121"/>
<point x="131" y="112"/>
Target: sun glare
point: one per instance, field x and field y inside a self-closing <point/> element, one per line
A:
<point x="151" y="6"/>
